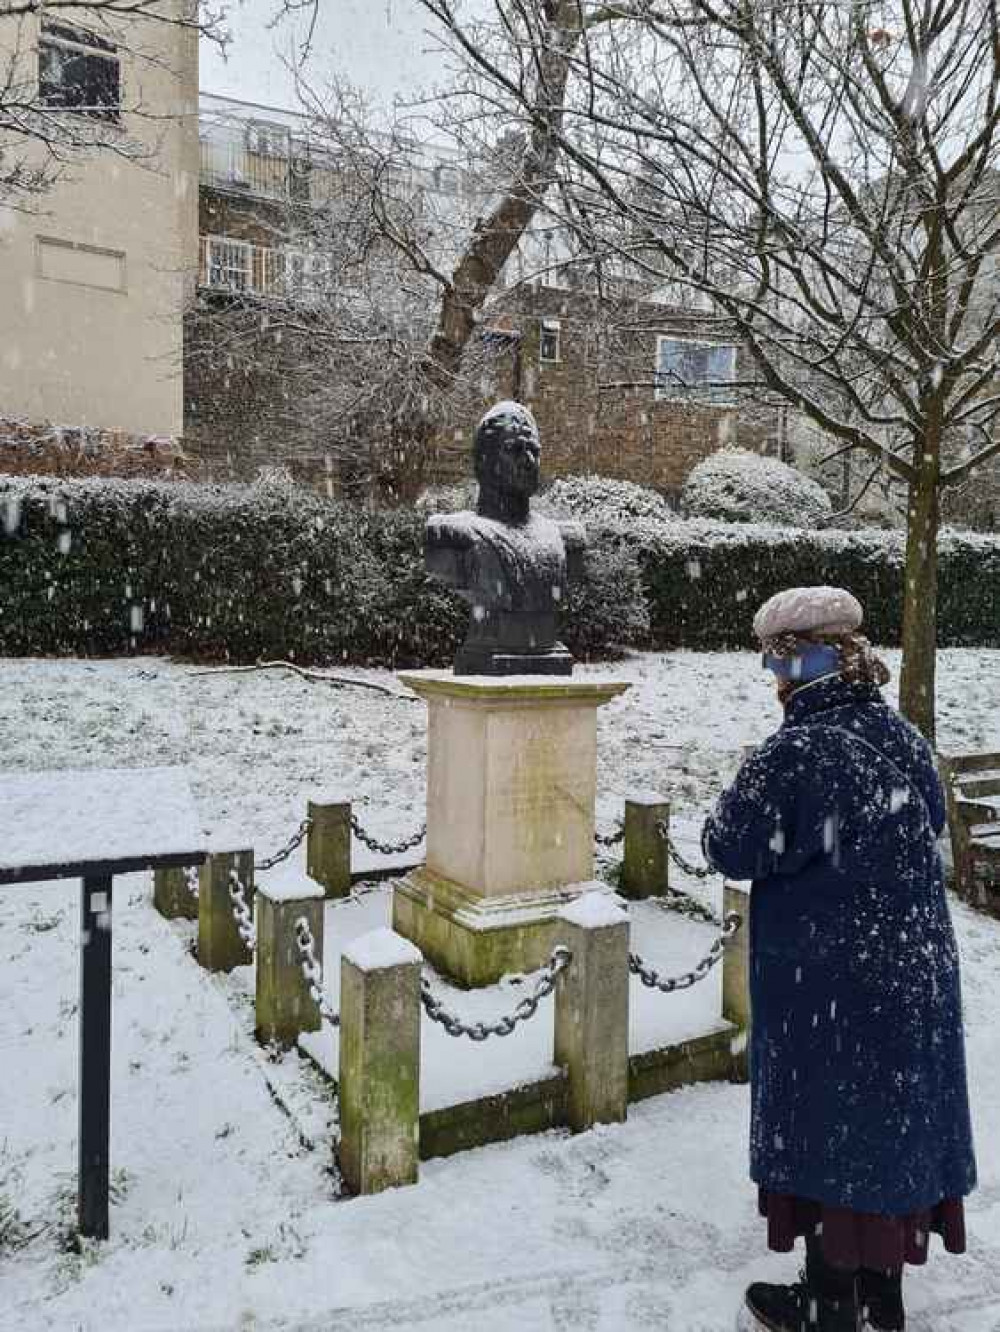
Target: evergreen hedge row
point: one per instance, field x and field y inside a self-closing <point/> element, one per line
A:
<point x="245" y="573"/>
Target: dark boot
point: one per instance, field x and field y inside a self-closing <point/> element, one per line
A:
<point x="880" y="1295"/>
<point x="824" y="1299"/>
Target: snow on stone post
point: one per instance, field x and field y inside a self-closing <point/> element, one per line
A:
<point x="379" y="1062"/>
<point x="328" y="846"/>
<point x="284" y="1005"/>
<point x="645" y="869"/>
<point x="172" y="897"/>
<point x="220" y="947"/>
<point x="591" y="1025"/>
<point x="736" y="970"/>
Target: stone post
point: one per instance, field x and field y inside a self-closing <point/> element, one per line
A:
<point x="284" y="1006"/>
<point x="328" y="846"/>
<point x="591" y="1024"/>
<point x="645" y="871"/>
<point x="736" y="974"/>
<point x="220" y="947"/>
<point x="379" y="1062"/>
<point x="171" y="895"/>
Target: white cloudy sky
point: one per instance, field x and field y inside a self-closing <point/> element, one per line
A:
<point x="383" y="46"/>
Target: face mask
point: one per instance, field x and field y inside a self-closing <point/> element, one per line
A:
<point x="814" y="660"/>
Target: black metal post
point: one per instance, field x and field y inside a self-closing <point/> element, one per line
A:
<point x="95" y="1055"/>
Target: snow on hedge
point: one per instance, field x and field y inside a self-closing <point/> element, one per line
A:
<point x="604" y="501"/>
<point x="742" y="487"/>
<point x="243" y="573"/>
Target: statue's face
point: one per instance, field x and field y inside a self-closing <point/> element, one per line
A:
<point x="510" y="456"/>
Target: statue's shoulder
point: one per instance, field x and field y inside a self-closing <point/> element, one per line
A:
<point x="574" y="534"/>
<point x="454" y="529"/>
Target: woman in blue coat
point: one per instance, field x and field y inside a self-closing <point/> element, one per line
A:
<point x="860" y="1134"/>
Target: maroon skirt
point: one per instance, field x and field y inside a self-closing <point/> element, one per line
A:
<point x="862" y="1239"/>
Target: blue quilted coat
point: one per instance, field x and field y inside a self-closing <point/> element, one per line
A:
<point x="857" y="1058"/>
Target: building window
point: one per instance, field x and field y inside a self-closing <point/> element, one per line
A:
<point x="695" y="370"/>
<point x="550" y="342"/>
<point x="268" y="140"/>
<point x="228" y="264"/>
<point x="78" y="71"/>
<point x="307" y="274"/>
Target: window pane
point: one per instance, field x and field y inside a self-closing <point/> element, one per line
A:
<point x="722" y="372"/>
<point x="76" y="80"/>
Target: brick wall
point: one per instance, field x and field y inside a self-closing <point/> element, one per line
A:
<point x="596" y="407"/>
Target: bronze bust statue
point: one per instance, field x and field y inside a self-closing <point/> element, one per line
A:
<point x="510" y="564"/>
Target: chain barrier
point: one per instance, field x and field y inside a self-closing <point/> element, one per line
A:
<point x="685" y="904"/>
<point x="312" y="970"/>
<point x="610" y="839"/>
<point x="386" y="848"/>
<point x="241" y="912"/>
<point x="191" y="881"/>
<point x="295" y="841"/>
<point x="526" y="1009"/>
<point x="696" y="871"/>
<point x="669" y="984"/>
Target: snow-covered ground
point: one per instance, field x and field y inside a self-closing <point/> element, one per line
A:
<point x="224" y="1215"/>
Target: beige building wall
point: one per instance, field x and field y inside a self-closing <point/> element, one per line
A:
<point x="93" y="280"/>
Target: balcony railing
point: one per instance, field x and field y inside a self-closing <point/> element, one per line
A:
<point x="269" y="170"/>
<point x="239" y="266"/>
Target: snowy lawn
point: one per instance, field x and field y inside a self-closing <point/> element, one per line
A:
<point x="223" y="1215"/>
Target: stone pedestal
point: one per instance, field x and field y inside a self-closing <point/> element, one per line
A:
<point x="511" y="785"/>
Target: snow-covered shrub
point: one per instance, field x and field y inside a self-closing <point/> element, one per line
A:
<point x="241" y="573"/>
<point x="220" y="572"/>
<point x="448" y="499"/>
<point x="603" y="501"/>
<point x="608" y="609"/>
<point x="737" y="486"/>
<point x="254" y="572"/>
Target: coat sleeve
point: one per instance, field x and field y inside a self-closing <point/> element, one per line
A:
<point x="768" y="822"/>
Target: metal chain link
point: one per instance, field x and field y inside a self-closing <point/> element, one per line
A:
<point x="527" y="1008"/>
<point x="296" y="840"/>
<point x="241" y="912"/>
<point x="312" y="970"/>
<point x="669" y="984"/>
<point x="386" y="848"/>
<point x="685" y="904"/>
<point x="610" y="839"/>
<point x="696" y="871"/>
<point x="191" y="881"/>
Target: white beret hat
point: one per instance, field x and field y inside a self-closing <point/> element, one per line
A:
<point x="808" y="610"/>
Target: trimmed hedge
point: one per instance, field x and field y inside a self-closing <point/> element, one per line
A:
<point x="244" y="573"/>
<point x="704" y="582"/>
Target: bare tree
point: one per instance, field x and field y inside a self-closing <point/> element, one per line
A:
<point x="823" y="175"/>
<point x="62" y="93"/>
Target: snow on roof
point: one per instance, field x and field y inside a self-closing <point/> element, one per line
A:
<point x="381" y="949"/>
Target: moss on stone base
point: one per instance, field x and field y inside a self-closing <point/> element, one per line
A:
<point x="462" y="941"/>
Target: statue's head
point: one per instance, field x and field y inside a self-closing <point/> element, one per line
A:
<point x="508" y="451"/>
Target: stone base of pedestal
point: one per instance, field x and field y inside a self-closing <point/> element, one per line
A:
<point x="474" y="940"/>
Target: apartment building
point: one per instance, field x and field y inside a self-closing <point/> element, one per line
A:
<point x="96" y="270"/>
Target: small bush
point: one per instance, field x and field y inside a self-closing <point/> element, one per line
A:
<point x="601" y="501"/>
<point x="737" y="486"/>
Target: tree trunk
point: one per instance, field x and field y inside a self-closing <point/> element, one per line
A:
<point x="917" y="682"/>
